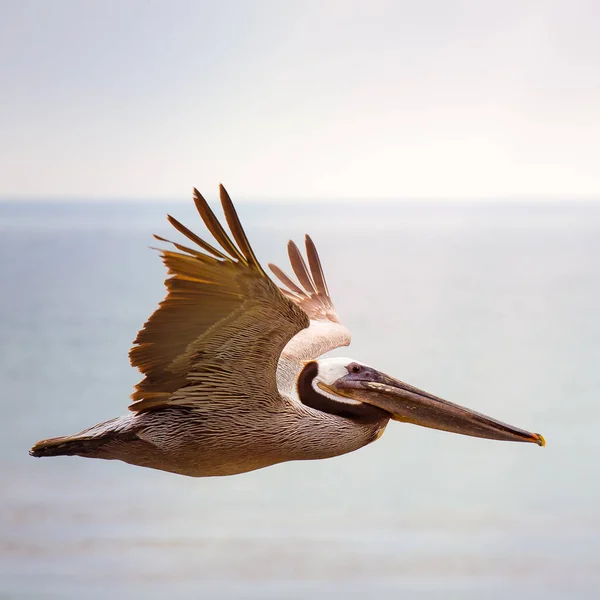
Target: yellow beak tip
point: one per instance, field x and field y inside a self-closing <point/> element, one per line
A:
<point x="540" y="440"/>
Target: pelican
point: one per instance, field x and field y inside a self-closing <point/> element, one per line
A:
<point x="232" y="375"/>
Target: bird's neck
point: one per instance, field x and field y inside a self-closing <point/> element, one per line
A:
<point x="359" y="412"/>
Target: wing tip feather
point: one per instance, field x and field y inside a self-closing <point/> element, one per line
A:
<point x="237" y="230"/>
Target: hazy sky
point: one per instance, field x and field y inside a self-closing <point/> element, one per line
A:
<point x="300" y="99"/>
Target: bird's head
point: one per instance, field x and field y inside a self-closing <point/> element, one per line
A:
<point x="346" y="387"/>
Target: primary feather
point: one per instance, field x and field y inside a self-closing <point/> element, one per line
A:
<point x="218" y="309"/>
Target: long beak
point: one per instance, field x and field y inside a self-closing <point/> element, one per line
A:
<point x="412" y="405"/>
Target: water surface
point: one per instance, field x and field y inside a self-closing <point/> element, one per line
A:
<point x="493" y="306"/>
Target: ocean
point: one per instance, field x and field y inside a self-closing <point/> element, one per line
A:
<point x="493" y="305"/>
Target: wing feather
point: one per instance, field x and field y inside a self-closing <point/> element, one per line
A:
<point x="299" y="268"/>
<point x="220" y="331"/>
<point x="236" y="229"/>
<point x="296" y="291"/>
<point x="312" y="295"/>
<point x="194" y="238"/>
<point x="315" y="267"/>
<point x="215" y="228"/>
<point x="183" y="248"/>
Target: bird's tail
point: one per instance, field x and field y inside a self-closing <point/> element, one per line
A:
<point x="68" y="445"/>
<point x="92" y="442"/>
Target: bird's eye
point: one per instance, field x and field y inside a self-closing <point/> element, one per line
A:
<point x="355" y="369"/>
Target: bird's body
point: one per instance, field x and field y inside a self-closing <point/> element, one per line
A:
<point x="201" y="443"/>
<point x="233" y="379"/>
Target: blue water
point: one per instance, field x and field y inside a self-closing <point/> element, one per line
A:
<point x="494" y="306"/>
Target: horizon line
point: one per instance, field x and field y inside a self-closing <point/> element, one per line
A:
<point x="255" y="199"/>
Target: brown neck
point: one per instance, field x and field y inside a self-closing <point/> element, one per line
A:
<point x="361" y="413"/>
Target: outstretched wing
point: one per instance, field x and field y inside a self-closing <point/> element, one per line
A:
<point x="220" y="330"/>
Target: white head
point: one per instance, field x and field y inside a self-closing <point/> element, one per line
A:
<point x="329" y="371"/>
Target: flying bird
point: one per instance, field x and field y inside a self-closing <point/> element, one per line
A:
<point x="232" y="375"/>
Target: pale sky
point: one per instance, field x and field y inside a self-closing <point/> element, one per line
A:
<point x="279" y="99"/>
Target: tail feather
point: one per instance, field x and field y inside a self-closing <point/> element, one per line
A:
<point x="66" y="446"/>
<point x="92" y="442"/>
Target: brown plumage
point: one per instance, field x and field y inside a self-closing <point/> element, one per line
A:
<point x="218" y="309"/>
<point x="232" y="376"/>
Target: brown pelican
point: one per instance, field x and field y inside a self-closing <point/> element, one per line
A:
<point x="232" y="376"/>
